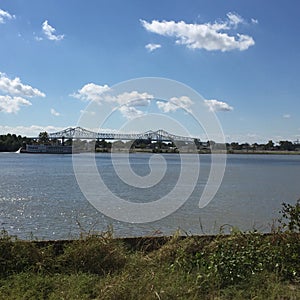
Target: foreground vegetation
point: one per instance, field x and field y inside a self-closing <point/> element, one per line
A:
<point x="236" y="266"/>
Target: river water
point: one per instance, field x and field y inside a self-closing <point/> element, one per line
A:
<point x="41" y="199"/>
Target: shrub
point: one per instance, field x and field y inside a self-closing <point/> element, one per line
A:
<point x="291" y="216"/>
<point x="15" y="255"/>
<point x="238" y="258"/>
<point x="94" y="254"/>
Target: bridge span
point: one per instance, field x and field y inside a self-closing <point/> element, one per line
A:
<point x="81" y="133"/>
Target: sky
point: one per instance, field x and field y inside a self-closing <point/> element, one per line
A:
<point x="242" y="57"/>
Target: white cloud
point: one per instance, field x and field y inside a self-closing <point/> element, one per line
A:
<point x="133" y="98"/>
<point x="166" y="106"/>
<point x="175" y="103"/>
<point x="16" y="87"/>
<point x="100" y="93"/>
<point x="15" y="92"/>
<point x="34" y="130"/>
<point x="234" y="19"/>
<point x="10" y="104"/>
<point x="215" y="105"/>
<point x="208" y="36"/>
<point x="54" y="112"/>
<point x="152" y="47"/>
<point x="4" y="15"/>
<point x="124" y="102"/>
<point x="92" y="113"/>
<point x="246" y="138"/>
<point x="128" y="101"/>
<point x="286" y="116"/>
<point x="91" y="92"/>
<point x="49" y="32"/>
<point x="29" y="131"/>
<point x="130" y="112"/>
<point x="254" y="21"/>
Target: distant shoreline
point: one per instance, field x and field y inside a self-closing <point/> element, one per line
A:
<point x="264" y="152"/>
<point x="164" y="151"/>
<point x="244" y="152"/>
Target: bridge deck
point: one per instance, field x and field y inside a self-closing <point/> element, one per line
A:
<point x="81" y="133"/>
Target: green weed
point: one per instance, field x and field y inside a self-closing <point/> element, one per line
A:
<point x="237" y="266"/>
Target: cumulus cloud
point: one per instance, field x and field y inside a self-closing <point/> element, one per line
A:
<point x="215" y="105"/>
<point x="286" y="116"/>
<point x="129" y="101"/>
<point x="10" y="104"/>
<point x="103" y="93"/>
<point x="54" y="112"/>
<point x="15" y="93"/>
<point x="208" y="36"/>
<point x="125" y="102"/>
<point x="30" y="131"/>
<point x="152" y="47"/>
<point x="4" y="16"/>
<point x="49" y="32"/>
<point x="17" y="88"/>
<point x="130" y="112"/>
<point x="91" y="92"/>
<point x="133" y="98"/>
<point x="175" y="103"/>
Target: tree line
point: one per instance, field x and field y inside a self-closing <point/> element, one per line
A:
<point x="12" y="142"/>
<point x="269" y="146"/>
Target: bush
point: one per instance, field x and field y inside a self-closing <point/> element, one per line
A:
<point x="291" y="216"/>
<point x="94" y="254"/>
<point x="16" y="256"/>
<point x="231" y="260"/>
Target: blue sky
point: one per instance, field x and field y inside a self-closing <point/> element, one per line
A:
<point x="243" y="57"/>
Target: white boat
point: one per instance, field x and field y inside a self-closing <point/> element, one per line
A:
<point x="47" y="149"/>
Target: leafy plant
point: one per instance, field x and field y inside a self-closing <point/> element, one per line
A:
<point x="291" y="216"/>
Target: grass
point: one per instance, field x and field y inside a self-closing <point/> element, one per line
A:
<point x="237" y="266"/>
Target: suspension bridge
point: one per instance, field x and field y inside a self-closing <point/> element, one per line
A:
<point x="81" y="133"/>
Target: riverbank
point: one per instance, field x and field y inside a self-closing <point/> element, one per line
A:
<point x="170" y="151"/>
<point x="206" y="151"/>
<point x="236" y="266"/>
<point x="265" y="152"/>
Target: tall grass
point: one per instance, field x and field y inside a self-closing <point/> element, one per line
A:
<point x="236" y="266"/>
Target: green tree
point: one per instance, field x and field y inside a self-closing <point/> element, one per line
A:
<point x="235" y="146"/>
<point x="11" y="142"/>
<point x="44" y="138"/>
<point x="269" y="145"/>
<point x="286" y="145"/>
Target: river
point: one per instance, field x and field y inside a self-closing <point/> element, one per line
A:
<point x="40" y="197"/>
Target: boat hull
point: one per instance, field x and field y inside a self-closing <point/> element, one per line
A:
<point x="47" y="149"/>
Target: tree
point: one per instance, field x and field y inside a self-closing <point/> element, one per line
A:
<point x="44" y="138"/>
<point x="11" y="142"/>
<point x="269" y="145"/>
<point x="69" y="142"/>
<point x="235" y="146"/>
<point x="286" y="145"/>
